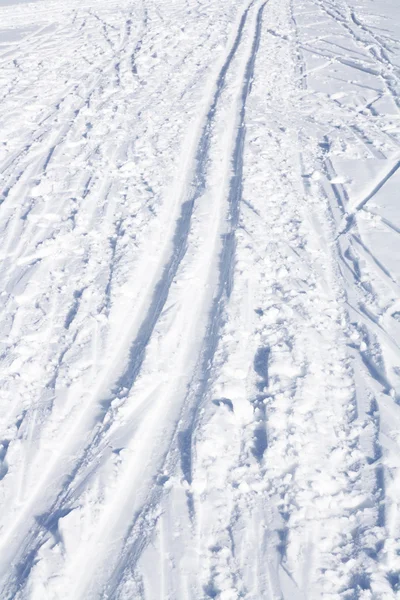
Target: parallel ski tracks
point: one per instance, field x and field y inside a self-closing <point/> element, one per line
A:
<point x="141" y="530"/>
<point x="125" y="382"/>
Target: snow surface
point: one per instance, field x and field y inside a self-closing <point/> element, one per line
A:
<point x="200" y="300"/>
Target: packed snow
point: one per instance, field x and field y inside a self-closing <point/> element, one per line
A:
<point x="200" y="300"/>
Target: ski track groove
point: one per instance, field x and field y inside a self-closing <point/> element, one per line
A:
<point x="226" y="262"/>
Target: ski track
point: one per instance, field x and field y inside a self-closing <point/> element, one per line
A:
<point x="199" y="314"/>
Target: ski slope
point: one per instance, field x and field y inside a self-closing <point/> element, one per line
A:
<point x="200" y="300"/>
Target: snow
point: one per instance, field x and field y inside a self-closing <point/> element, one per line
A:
<point x="200" y="300"/>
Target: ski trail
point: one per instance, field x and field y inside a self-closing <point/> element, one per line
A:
<point x="181" y="233"/>
<point x="200" y="380"/>
<point x="137" y="534"/>
<point x="155" y="310"/>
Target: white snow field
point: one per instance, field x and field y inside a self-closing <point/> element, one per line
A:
<point x="200" y="300"/>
